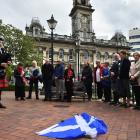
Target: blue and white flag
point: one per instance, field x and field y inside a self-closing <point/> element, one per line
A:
<point x="76" y="127"/>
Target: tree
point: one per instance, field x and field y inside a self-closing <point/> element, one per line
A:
<point x="19" y="45"/>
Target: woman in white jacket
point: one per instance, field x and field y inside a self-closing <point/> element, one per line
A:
<point x="135" y="78"/>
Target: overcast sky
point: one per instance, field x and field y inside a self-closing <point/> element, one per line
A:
<point x="109" y="16"/>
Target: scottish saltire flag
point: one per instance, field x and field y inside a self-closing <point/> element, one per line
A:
<point x="75" y="127"/>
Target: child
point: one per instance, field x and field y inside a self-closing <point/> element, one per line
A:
<point x="19" y="82"/>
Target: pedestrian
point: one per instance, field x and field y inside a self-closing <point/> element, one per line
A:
<point x="114" y="79"/>
<point x="20" y="82"/>
<point x="106" y="82"/>
<point x="97" y="79"/>
<point x="5" y="60"/>
<point x="87" y="79"/>
<point x="47" y="76"/>
<point x="59" y="79"/>
<point x="124" y="68"/>
<point x="69" y="76"/>
<point x="135" y="78"/>
<point x="35" y="74"/>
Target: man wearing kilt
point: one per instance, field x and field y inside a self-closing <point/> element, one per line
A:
<point x="5" y="59"/>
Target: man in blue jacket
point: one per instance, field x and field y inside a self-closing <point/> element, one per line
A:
<point x="59" y="79"/>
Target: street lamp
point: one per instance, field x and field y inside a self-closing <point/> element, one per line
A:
<point x="78" y="50"/>
<point x="52" y="24"/>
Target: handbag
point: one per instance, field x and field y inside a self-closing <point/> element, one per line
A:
<point x="134" y="82"/>
<point x="2" y="73"/>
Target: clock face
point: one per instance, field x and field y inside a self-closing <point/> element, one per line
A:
<point x="84" y="19"/>
<point x="84" y="22"/>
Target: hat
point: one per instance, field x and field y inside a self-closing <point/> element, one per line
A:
<point x="1" y="38"/>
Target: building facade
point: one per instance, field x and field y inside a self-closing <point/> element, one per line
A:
<point x="134" y="39"/>
<point x="82" y="45"/>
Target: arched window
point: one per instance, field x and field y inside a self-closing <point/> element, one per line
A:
<point x="61" y="54"/>
<point x="86" y="55"/>
<point x="36" y="31"/>
<point x="98" y="56"/>
<point x="83" y="2"/>
<point x="71" y="54"/>
<point x="106" y="56"/>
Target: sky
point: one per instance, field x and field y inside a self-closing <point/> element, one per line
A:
<point x="109" y="15"/>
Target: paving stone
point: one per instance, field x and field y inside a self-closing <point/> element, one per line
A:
<point x="112" y="137"/>
<point x="22" y="119"/>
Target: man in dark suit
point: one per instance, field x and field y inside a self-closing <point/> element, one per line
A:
<point x="87" y="79"/>
<point x="47" y="75"/>
<point x="124" y="68"/>
<point x="114" y="79"/>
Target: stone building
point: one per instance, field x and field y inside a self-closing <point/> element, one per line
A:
<point x="81" y="44"/>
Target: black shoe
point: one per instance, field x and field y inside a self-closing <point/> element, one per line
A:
<point x="89" y="99"/>
<point x="127" y="106"/>
<point x="105" y="101"/>
<point x="116" y="104"/>
<point x="137" y="108"/>
<point x="16" y="99"/>
<point x="2" y="106"/>
<point x="28" y="98"/>
<point x="57" y="100"/>
<point x="123" y="105"/>
<point x="22" y="99"/>
<point x="112" y="103"/>
<point x="37" y="98"/>
<point x="45" y="100"/>
<point x="68" y="100"/>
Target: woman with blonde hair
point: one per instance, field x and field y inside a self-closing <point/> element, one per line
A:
<point x="35" y="73"/>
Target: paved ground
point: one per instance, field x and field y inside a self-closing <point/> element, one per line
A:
<point x="22" y="119"/>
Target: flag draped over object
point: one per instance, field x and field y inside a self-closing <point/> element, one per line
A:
<point x="76" y="127"/>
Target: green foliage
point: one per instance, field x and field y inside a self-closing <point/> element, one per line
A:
<point x="19" y="45"/>
<point x="9" y="72"/>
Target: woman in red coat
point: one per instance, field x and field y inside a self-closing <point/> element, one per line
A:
<point x="69" y="76"/>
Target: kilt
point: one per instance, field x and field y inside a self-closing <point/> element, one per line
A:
<point x="3" y="83"/>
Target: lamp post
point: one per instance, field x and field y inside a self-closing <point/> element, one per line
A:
<point x="78" y="50"/>
<point x="52" y="24"/>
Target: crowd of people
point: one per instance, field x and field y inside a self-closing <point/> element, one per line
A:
<point x="112" y="81"/>
<point x="115" y="82"/>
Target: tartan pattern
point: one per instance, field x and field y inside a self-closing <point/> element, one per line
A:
<point x="3" y="83"/>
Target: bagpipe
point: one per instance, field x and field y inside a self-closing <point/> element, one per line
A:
<point x="4" y="58"/>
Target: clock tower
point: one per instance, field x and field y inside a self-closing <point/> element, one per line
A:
<point x="81" y="15"/>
